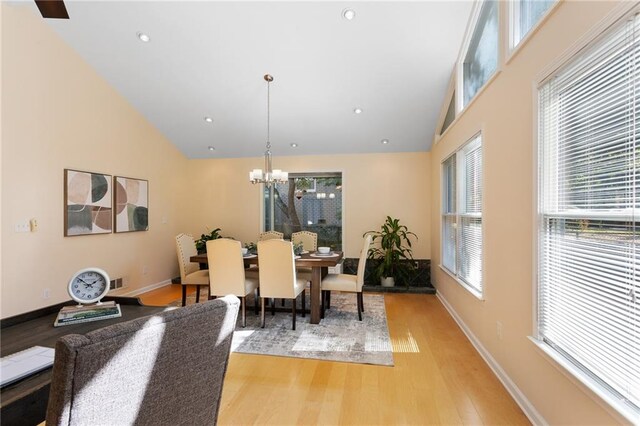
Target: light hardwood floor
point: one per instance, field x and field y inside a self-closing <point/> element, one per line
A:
<point x="438" y="378"/>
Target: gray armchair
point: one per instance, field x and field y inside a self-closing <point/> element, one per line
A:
<point x="162" y="369"/>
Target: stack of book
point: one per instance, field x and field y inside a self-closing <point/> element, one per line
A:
<point x="85" y="313"/>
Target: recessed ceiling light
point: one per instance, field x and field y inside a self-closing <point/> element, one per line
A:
<point x="208" y="119"/>
<point x="384" y="141"/>
<point x="348" y="14"/>
<point x="357" y="110"/>
<point x="211" y="148"/>
<point x="143" y="37"/>
<point x="294" y="145"/>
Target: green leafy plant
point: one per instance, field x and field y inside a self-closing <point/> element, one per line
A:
<point x="201" y="243"/>
<point x="298" y="249"/>
<point x="392" y="247"/>
<point x="252" y="247"/>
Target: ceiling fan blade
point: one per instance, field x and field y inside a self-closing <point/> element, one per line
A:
<point x="52" y="9"/>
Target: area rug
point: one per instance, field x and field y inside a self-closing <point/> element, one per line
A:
<point x="338" y="337"/>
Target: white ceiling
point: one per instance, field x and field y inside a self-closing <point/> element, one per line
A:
<point x="208" y="58"/>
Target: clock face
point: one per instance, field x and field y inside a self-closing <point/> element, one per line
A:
<point x="89" y="285"/>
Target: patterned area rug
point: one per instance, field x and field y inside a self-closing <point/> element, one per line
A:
<point x="338" y="337"/>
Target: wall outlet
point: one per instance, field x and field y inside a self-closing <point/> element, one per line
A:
<point x="499" y="330"/>
<point x="46" y="293"/>
<point x="145" y="270"/>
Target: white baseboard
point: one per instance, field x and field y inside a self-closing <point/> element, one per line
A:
<point x="529" y="410"/>
<point x="141" y="290"/>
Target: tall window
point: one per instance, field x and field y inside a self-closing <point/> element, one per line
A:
<point x="307" y="202"/>
<point x="481" y="59"/>
<point x="525" y="14"/>
<point x="462" y="215"/>
<point x="589" y="198"/>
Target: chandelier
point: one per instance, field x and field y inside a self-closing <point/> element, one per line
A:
<point x="268" y="176"/>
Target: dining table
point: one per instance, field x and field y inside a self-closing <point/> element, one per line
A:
<point x="318" y="263"/>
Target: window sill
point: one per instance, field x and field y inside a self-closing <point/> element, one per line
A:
<point x="464" y="285"/>
<point x="614" y="406"/>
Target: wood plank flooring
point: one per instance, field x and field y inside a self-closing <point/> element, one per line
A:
<point x="438" y="378"/>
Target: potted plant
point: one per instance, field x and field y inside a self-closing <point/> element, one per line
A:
<point x="392" y="247"/>
<point x="201" y="243"/>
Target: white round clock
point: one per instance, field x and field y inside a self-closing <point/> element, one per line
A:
<point x="89" y="285"/>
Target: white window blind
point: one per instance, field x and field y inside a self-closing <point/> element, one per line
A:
<point x="449" y="214"/>
<point x="589" y="197"/>
<point x="462" y="215"/>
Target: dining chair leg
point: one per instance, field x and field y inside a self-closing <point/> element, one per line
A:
<point x="304" y="303"/>
<point x="243" y="302"/>
<point x="283" y="302"/>
<point x="273" y="306"/>
<point x="328" y="300"/>
<point x="256" y="296"/>
<point x="322" y="295"/>
<point x="293" y="311"/>
<point x="184" y="295"/>
<point x="359" y="300"/>
<point x="262" y="316"/>
<point x="198" y="294"/>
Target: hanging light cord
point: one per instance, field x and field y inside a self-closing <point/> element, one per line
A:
<point x="268" y="115"/>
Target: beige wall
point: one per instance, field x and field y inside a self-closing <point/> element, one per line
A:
<point x="58" y="113"/>
<point x="504" y="113"/>
<point x="374" y="186"/>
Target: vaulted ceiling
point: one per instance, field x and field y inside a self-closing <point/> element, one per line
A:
<point x="208" y="58"/>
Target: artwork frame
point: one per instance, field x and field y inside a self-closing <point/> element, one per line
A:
<point x="131" y="204"/>
<point x="87" y="203"/>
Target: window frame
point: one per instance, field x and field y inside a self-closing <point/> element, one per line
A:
<point x="460" y="190"/>
<point x="515" y="40"/>
<point x="264" y="206"/>
<point x="468" y="39"/>
<point x="611" y="403"/>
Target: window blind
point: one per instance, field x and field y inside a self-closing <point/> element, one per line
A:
<point x="471" y="216"/>
<point x="449" y="214"/>
<point x="462" y="214"/>
<point x="589" y="197"/>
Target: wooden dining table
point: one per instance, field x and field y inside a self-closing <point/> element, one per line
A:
<point x="319" y="269"/>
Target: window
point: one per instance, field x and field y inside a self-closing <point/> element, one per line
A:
<point x="450" y="115"/>
<point x="307" y="202"/>
<point x="462" y="215"/>
<point x="589" y="198"/>
<point x="525" y="14"/>
<point x="481" y="59"/>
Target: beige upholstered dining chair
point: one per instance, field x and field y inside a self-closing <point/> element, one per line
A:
<point x="270" y="235"/>
<point x="278" y="275"/>
<point x="227" y="274"/>
<point x="163" y="369"/>
<point x="347" y="282"/>
<point x="190" y="272"/>
<point x="308" y="239"/>
<point x="309" y="242"/>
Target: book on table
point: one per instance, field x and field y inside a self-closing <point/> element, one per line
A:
<point x="85" y="313"/>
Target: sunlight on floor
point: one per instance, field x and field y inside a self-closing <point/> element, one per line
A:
<point x="405" y="344"/>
